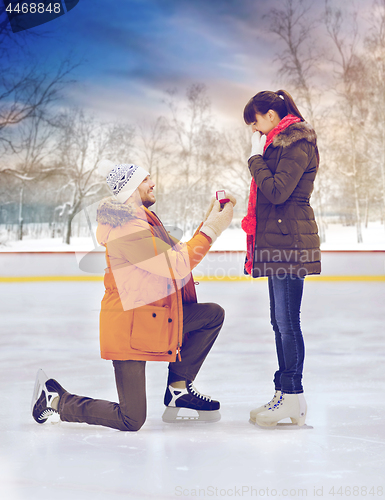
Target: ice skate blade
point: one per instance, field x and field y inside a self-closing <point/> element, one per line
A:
<point x="171" y="416"/>
<point x="282" y="426"/>
<point x="262" y="423"/>
<point x="41" y="379"/>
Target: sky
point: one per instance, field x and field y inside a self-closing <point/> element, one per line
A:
<point x="132" y="51"/>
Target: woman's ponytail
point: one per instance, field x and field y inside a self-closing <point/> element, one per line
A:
<point x="290" y="104"/>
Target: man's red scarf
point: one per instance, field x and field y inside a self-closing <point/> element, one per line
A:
<point x="249" y="223"/>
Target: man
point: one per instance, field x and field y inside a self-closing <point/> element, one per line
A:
<point x="149" y="310"/>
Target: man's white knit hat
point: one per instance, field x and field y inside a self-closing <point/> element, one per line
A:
<point x="122" y="179"/>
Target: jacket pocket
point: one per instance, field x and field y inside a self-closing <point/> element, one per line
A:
<point x="150" y="329"/>
<point x="279" y="231"/>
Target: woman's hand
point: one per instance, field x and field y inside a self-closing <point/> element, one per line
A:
<point x="258" y="142"/>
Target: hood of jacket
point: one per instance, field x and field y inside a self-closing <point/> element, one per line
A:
<point x="294" y="133"/>
<point x="112" y="215"/>
<point x="115" y="214"/>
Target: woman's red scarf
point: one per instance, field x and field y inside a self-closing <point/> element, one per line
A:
<point x="249" y="223"/>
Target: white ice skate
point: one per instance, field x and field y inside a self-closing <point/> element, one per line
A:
<point x="44" y="393"/>
<point x="178" y="401"/>
<point x="291" y="406"/>
<point x="265" y="407"/>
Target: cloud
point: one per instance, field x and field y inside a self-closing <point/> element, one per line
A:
<point x="137" y="49"/>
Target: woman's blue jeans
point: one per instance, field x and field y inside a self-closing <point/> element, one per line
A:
<point x="285" y="304"/>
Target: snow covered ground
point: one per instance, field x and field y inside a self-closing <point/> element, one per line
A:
<point x="340" y="452"/>
<point x="338" y="237"/>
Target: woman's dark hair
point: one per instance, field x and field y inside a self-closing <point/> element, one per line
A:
<point x="281" y="102"/>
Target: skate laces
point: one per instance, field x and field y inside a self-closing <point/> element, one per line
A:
<point x="46" y="413"/>
<point x="198" y="394"/>
<point x="278" y="403"/>
<point x="47" y="403"/>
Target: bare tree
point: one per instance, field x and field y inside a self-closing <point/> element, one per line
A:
<point x="155" y="151"/>
<point x="83" y="142"/>
<point x="350" y="78"/>
<point x="235" y="150"/>
<point x="299" y="63"/>
<point x="193" y="152"/>
<point x="36" y="146"/>
<point x="23" y="95"/>
<point x="26" y="88"/>
<point x="118" y="140"/>
<point x="26" y="124"/>
<point x="375" y="54"/>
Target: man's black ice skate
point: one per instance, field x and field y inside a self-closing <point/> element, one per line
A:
<point x="45" y="391"/>
<point x="175" y="399"/>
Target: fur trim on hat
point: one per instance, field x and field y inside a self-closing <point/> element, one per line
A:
<point x="294" y="133"/>
<point x="111" y="212"/>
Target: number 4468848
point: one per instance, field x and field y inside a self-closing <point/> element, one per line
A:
<point x="34" y="8"/>
<point x="357" y="491"/>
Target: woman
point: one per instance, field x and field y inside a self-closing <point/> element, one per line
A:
<point x="283" y="241"/>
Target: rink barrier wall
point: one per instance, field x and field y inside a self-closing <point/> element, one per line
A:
<point x="337" y="265"/>
<point x="24" y="279"/>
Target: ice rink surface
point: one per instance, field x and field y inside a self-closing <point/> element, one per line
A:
<point x="339" y="453"/>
